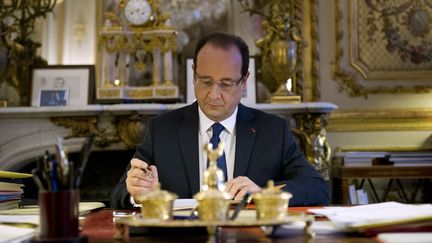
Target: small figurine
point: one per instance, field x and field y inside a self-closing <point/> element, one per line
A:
<point x="213" y="176"/>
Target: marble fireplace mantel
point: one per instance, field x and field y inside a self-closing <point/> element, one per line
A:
<point x="26" y="132"/>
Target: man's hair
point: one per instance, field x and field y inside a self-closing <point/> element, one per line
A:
<point x="225" y="41"/>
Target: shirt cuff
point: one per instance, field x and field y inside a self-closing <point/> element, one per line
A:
<point x="132" y="201"/>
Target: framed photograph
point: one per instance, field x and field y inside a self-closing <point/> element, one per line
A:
<point x="248" y="97"/>
<point x="53" y="97"/>
<point x="69" y="85"/>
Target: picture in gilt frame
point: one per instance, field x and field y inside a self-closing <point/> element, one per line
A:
<point x="248" y="97"/>
<point x="69" y="85"/>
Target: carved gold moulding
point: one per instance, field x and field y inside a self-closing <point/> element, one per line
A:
<point x="285" y="99"/>
<point x="150" y="92"/>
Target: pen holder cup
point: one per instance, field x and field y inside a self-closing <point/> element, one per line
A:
<point x="59" y="214"/>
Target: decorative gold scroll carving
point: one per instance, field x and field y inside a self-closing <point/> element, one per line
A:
<point x="127" y="129"/>
<point x="311" y="133"/>
<point x="131" y="128"/>
<point x="114" y="42"/>
<point x="84" y="126"/>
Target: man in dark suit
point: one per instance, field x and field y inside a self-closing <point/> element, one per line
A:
<point x="258" y="146"/>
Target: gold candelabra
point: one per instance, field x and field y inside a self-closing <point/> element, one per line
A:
<point x="17" y="49"/>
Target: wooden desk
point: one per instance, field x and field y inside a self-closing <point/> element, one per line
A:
<point x="99" y="227"/>
<point x="342" y="174"/>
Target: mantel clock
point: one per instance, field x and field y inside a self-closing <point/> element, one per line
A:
<point x="137" y="49"/>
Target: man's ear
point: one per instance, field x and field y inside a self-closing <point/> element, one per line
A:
<point x="245" y="80"/>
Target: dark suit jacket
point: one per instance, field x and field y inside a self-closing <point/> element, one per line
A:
<point x="265" y="149"/>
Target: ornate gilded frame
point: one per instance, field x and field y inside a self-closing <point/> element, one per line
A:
<point x="354" y="67"/>
<point x="310" y="53"/>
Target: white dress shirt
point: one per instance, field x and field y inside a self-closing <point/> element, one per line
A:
<point x="228" y="136"/>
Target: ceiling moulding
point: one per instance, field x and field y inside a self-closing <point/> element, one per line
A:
<point x="360" y="120"/>
<point x="376" y="54"/>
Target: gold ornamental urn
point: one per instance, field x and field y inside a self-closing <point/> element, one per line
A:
<point x="271" y="203"/>
<point x="157" y="204"/>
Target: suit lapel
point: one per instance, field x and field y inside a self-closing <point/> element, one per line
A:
<point x="246" y="129"/>
<point x="187" y="128"/>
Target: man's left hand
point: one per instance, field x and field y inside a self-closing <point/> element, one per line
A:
<point x="239" y="186"/>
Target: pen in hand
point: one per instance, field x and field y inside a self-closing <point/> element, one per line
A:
<point x="148" y="172"/>
<point x="240" y="206"/>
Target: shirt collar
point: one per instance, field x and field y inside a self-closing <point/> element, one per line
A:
<point x="205" y="123"/>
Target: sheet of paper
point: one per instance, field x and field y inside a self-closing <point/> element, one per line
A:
<point x="318" y="227"/>
<point x="15" y="234"/>
<point x="413" y="237"/>
<point x="180" y="204"/>
<point x="20" y="219"/>
<point x="84" y="207"/>
<point x="183" y="204"/>
<point x="374" y="213"/>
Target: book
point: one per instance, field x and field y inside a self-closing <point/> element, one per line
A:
<point x="10" y="187"/>
<point x="352" y="194"/>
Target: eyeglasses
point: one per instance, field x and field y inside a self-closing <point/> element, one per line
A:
<point x="225" y="85"/>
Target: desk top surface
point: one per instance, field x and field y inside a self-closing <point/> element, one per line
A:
<point x="99" y="227"/>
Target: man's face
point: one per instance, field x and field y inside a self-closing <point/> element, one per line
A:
<point x="216" y="64"/>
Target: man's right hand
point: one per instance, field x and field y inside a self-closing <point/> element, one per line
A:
<point x="141" y="178"/>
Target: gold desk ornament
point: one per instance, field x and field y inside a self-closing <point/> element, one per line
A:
<point x="271" y="203"/>
<point x="213" y="176"/>
<point x="157" y="204"/>
<point x="213" y="200"/>
<point x="213" y="205"/>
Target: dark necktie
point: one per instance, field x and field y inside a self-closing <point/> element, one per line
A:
<point x="214" y="140"/>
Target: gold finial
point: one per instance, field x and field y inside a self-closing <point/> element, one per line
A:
<point x="214" y="154"/>
<point x="213" y="176"/>
<point x="270" y="185"/>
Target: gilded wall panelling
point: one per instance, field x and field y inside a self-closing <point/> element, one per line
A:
<point x="357" y="120"/>
<point x="380" y="47"/>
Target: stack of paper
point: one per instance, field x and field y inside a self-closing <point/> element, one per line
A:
<point x="10" y="192"/>
<point x="10" y="195"/>
<point x="376" y="215"/>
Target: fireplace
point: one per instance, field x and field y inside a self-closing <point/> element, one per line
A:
<point x="26" y="132"/>
<point x="103" y="171"/>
